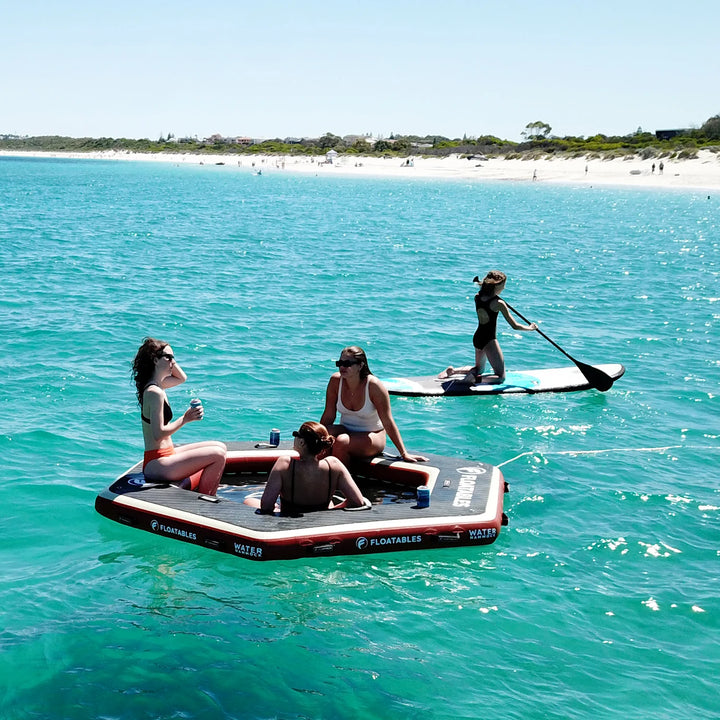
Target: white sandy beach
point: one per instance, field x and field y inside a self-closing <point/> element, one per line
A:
<point x="702" y="172"/>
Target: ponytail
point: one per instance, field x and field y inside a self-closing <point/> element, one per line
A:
<point x="316" y="437"/>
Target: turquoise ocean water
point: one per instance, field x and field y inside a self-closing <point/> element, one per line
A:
<point x="599" y="599"/>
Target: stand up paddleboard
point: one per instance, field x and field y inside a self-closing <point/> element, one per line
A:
<point x="564" y="379"/>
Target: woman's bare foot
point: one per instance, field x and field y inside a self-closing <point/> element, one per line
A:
<point x="490" y="379"/>
<point x="446" y="373"/>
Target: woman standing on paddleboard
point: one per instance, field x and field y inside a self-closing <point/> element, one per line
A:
<point x="487" y="306"/>
<point x="364" y="406"/>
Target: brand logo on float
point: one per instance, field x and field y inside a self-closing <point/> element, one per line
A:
<point x="363" y="543"/>
<point x="157" y="526"/>
<point x="248" y="550"/>
<point x="396" y="540"/>
<point x="483" y="533"/>
<point x="466" y="486"/>
<point x="472" y="470"/>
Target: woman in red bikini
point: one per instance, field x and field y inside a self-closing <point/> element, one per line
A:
<point x="197" y="466"/>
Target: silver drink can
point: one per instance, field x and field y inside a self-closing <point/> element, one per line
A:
<point x="423" y="496"/>
<point x="196" y="403"/>
<point x="274" y="437"/>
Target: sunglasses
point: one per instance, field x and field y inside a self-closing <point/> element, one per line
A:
<point x="346" y="363"/>
<point x="168" y="357"/>
<point x="302" y="436"/>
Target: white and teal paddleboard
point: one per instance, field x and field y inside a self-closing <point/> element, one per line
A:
<point x="564" y="379"/>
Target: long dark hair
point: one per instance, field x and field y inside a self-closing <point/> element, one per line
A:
<point x="359" y="354"/>
<point x="143" y="365"/>
<point x="316" y="437"/>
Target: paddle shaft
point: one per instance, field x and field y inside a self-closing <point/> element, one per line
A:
<point x="597" y="378"/>
<point x="537" y="329"/>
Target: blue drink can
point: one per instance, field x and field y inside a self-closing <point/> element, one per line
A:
<point x="275" y="437"/>
<point x="196" y="402"/>
<point x="423" y="496"/>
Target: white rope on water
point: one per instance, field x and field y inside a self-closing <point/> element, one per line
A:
<point x="609" y="450"/>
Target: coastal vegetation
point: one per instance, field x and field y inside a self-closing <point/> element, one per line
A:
<point x="537" y="142"/>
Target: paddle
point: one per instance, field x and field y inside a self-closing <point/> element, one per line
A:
<point x="597" y="378"/>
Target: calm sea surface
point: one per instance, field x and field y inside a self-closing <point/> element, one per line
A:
<point x="600" y="599"/>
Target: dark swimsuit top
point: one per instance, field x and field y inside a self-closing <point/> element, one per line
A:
<point x="481" y="304"/>
<point x="487" y="331"/>
<point x="167" y="410"/>
<point x="291" y="507"/>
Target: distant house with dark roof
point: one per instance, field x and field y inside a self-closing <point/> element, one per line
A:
<point x="669" y="134"/>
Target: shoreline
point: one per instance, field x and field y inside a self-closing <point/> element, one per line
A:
<point x="701" y="173"/>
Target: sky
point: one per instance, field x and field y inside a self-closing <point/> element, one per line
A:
<point x="279" y="68"/>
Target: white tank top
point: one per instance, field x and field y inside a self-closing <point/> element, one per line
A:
<point x="364" y="420"/>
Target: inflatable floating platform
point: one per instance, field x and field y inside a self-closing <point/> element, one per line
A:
<point x="466" y="508"/>
<point x="563" y="379"/>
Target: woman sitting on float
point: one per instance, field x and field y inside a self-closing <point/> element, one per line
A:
<point x="197" y="466"/>
<point x="363" y="403"/>
<point x="308" y="482"/>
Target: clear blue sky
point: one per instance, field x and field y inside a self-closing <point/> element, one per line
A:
<point x="273" y="68"/>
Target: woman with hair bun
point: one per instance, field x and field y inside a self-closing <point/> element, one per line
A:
<point x="196" y="466"/>
<point x="363" y="404"/>
<point x="487" y="306"/>
<point x="308" y="482"/>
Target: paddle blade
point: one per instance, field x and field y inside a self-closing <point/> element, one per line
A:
<point x="597" y="378"/>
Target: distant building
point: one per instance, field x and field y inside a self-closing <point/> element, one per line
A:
<point x="669" y="134"/>
<point x="350" y="139"/>
<point x="292" y="141"/>
<point x="220" y="139"/>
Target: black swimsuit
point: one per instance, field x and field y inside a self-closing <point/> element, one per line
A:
<point x="167" y="410"/>
<point x="290" y="507"/>
<point x="486" y="332"/>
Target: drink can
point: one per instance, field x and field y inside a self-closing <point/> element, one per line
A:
<point x="196" y="402"/>
<point x="275" y="437"/>
<point x="423" y="496"/>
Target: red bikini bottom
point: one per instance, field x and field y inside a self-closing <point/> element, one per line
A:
<point x="167" y="452"/>
<point x="155" y="454"/>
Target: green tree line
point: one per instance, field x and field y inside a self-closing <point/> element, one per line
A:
<point x="537" y="142"/>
